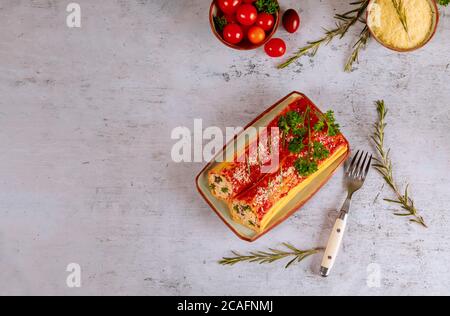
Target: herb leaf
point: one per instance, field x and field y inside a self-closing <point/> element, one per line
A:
<point x="292" y="121"/>
<point x="283" y="124"/>
<point x="268" y="6"/>
<point x="329" y="120"/>
<point x="320" y="152"/>
<point x="444" y="2"/>
<point x="293" y="118"/>
<point x="299" y="131"/>
<point x="220" y="22"/>
<point x="305" y="167"/>
<point x="296" y="145"/>
<point x="284" y="128"/>
<point x="320" y="125"/>
<point x="333" y="127"/>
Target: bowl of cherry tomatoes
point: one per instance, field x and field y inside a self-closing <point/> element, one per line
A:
<point x="244" y="24"/>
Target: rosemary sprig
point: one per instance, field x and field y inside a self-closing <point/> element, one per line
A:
<point x="313" y="47"/>
<point x="401" y="12"/>
<point x="383" y="165"/>
<point x="351" y="17"/>
<point x="360" y="44"/>
<point x="345" y="21"/>
<point x="271" y="256"/>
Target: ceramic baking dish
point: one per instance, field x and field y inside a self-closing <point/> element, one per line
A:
<point x="320" y="178"/>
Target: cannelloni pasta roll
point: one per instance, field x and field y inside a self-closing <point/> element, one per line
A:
<point x="255" y="207"/>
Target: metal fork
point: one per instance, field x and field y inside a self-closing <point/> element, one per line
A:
<point x="354" y="175"/>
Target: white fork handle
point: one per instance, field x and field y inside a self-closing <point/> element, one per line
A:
<point x="333" y="246"/>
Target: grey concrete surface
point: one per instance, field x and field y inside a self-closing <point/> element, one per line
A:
<point x="86" y="174"/>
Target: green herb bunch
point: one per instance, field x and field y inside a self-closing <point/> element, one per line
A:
<point x="220" y="22"/>
<point x="267" y="6"/>
<point x="299" y="125"/>
<point x="327" y="120"/>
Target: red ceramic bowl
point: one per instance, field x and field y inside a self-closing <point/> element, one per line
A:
<point x="245" y="44"/>
<point x="434" y="7"/>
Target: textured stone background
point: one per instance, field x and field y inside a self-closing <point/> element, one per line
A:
<point x="86" y="174"/>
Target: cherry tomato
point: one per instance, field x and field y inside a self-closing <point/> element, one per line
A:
<point x="276" y="47"/>
<point x="233" y="34"/>
<point x="228" y="6"/>
<point x="256" y="34"/>
<point x="265" y="21"/>
<point x="291" y="21"/>
<point x="246" y="14"/>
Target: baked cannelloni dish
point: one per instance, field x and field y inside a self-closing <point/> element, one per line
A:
<point x="226" y="180"/>
<point x="308" y="141"/>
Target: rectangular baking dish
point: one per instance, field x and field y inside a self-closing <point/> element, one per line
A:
<point x="221" y="208"/>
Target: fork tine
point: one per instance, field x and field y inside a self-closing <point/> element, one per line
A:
<point x="368" y="167"/>
<point x="350" y="166"/>
<point x="354" y="171"/>
<point x="360" y="172"/>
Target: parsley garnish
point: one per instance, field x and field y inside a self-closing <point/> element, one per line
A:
<point x="283" y="124"/>
<point x="299" y="131"/>
<point x="296" y="145"/>
<point x="284" y="128"/>
<point x="293" y="118"/>
<point x="320" y="125"/>
<point x="289" y="122"/>
<point x="268" y="6"/>
<point x="444" y="2"/>
<point x="306" y="167"/>
<point x="220" y="22"/>
<point x="328" y="120"/>
<point x="320" y="152"/>
<point x="292" y="122"/>
<point x="333" y="127"/>
<point x="300" y="126"/>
